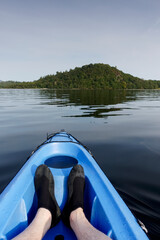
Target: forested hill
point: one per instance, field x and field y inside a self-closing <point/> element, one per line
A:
<point x="92" y="76"/>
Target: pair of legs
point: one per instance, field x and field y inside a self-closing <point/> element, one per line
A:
<point x="79" y="224"/>
<point x="48" y="211"/>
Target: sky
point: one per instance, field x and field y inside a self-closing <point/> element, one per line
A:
<point x="41" y="37"/>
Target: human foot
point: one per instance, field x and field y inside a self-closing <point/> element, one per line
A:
<point x="44" y="186"/>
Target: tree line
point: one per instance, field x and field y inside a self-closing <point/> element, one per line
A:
<point x="92" y="76"/>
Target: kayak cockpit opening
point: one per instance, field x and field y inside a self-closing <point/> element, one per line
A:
<point x="61" y="162"/>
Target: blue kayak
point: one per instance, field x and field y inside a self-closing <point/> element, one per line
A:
<point x="103" y="206"/>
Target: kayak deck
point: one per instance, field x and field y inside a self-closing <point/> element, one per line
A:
<point x="102" y="205"/>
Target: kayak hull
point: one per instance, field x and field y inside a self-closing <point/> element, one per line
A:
<point x="103" y="206"/>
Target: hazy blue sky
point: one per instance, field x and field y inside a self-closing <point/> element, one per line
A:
<point x="40" y="37"/>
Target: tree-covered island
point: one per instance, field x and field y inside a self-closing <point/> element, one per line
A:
<point x="92" y="76"/>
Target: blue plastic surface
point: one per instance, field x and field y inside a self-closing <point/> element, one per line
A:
<point x="104" y="207"/>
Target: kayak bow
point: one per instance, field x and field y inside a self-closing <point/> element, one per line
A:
<point x="103" y="206"/>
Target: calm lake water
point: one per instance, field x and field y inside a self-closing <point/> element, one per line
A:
<point x="121" y="128"/>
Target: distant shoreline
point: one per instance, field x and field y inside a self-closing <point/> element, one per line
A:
<point x="91" y="77"/>
<point x="78" y="89"/>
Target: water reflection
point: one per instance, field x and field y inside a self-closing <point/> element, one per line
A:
<point x="96" y="102"/>
<point x="99" y="112"/>
<point x="88" y="97"/>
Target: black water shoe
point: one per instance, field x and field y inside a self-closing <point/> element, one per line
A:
<point x="44" y="185"/>
<point x="76" y="182"/>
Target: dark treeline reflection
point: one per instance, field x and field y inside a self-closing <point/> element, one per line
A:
<point x="95" y="97"/>
<point x="89" y="97"/>
<point x="95" y="101"/>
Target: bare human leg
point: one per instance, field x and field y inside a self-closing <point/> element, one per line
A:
<point x="82" y="227"/>
<point x="48" y="214"/>
<point x="73" y="215"/>
<point x="38" y="227"/>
